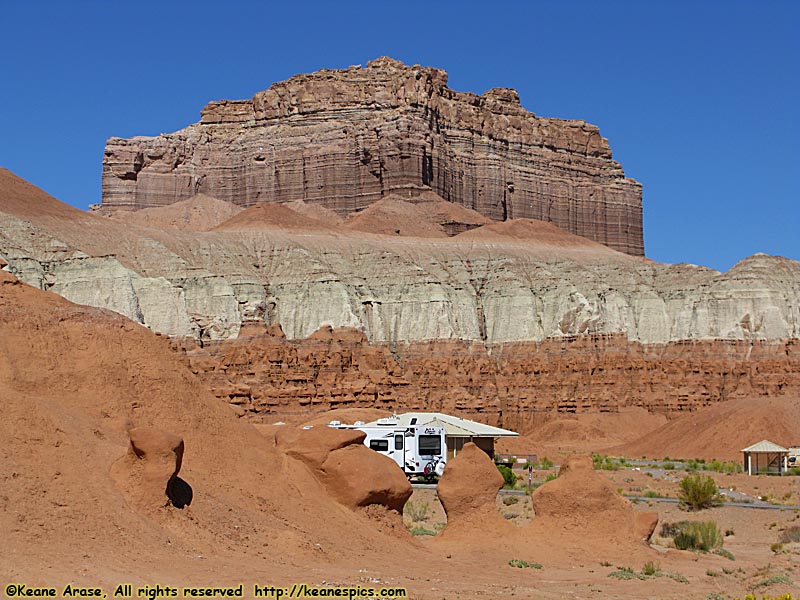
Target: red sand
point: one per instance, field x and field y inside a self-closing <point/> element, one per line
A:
<point x="720" y="431"/>
<point x="270" y="215"/>
<point x="198" y="213"/>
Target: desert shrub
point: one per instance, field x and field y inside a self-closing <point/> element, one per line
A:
<point x="422" y="531"/>
<point x="775" y="579"/>
<point x="508" y="476"/>
<point x="545" y="463"/>
<point x="522" y="564"/>
<point x="668" y="466"/>
<point x="724" y="466"/>
<point x="416" y="511"/>
<point x="509" y="500"/>
<point x="551" y="477"/>
<point x="794" y="471"/>
<point x="694" y="535"/>
<point x="625" y="573"/>
<point x="699" y="491"/>
<point x="724" y="553"/>
<point x="650" y="568"/>
<point x="791" y="535"/>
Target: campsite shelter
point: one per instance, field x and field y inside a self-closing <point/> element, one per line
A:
<point x="458" y="431"/>
<point x="765" y="458"/>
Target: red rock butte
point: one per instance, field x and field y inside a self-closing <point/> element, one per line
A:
<point x="344" y="139"/>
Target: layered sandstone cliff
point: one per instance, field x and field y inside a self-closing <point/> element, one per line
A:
<point x="347" y="138"/>
<point x="512" y="385"/>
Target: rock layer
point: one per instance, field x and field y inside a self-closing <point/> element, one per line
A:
<point x="347" y="138"/>
<point x="267" y="377"/>
<point x="518" y="281"/>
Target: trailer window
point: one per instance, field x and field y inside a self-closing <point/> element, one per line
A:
<point x="398" y="442"/>
<point x="379" y="445"/>
<point x="430" y="444"/>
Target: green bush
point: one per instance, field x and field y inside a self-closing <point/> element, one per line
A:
<point x="695" y="535"/>
<point x="545" y="463"/>
<point x="699" y="491"/>
<point x="650" y="568"/>
<point x="508" y="476"/>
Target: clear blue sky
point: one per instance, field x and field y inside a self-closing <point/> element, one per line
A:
<point x="699" y="99"/>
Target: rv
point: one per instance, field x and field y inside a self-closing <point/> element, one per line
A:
<point x="420" y="450"/>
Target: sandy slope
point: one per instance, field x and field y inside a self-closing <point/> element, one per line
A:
<point x="721" y="431"/>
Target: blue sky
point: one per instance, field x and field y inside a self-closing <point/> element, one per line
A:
<point x="699" y="99"/>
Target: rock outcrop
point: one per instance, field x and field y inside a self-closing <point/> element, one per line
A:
<point x="148" y="472"/>
<point x="265" y="376"/>
<point x="583" y="505"/>
<point x="352" y="473"/>
<point x="347" y="138"/>
<point x="467" y="491"/>
<point x="518" y="281"/>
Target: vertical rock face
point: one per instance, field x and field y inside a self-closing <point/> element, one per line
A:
<point x="347" y="138"/>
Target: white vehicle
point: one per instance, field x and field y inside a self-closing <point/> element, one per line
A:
<point x="420" y="450"/>
<point x="793" y="460"/>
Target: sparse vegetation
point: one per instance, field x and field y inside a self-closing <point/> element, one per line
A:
<point x="650" y="568"/>
<point x="522" y="564"/>
<point x="774" y="580"/>
<point x="724" y="553"/>
<point x="509" y="500"/>
<point x="699" y="491"/>
<point x="422" y="531"/>
<point x="668" y="466"/>
<point x="416" y="511"/>
<point x="694" y="535"/>
<point x="545" y="463"/>
<point x="791" y="535"/>
<point x="649" y="571"/>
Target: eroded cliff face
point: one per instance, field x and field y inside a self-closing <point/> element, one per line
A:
<point x="346" y="138"/>
<point x="492" y="288"/>
<point x="516" y="385"/>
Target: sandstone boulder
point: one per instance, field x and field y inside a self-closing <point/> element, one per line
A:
<point x="147" y="473"/>
<point x="581" y="504"/>
<point x="313" y="446"/>
<point x="352" y="473"/>
<point x="357" y="476"/>
<point x="468" y="490"/>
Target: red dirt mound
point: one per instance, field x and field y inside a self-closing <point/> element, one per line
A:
<point x="530" y="230"/>
<point x="467" y="491"/>
<point x="198" y="213"/>
<point x="720" y="431"/>
<point x="556" y="434"/>
<point x="75" y="380"/>
<point x="581" y="506"/>
<point x="427" y="216"/>
<point x="270" y="215"/>
<point x="314" y="211"/>
<point x="394" y="216"/>
<point x="23" y="199"/>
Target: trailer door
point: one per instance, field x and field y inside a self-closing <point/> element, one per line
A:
<point x="399" y="450"/>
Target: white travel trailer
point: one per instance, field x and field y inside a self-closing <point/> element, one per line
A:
<point x="420" y="450"/>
